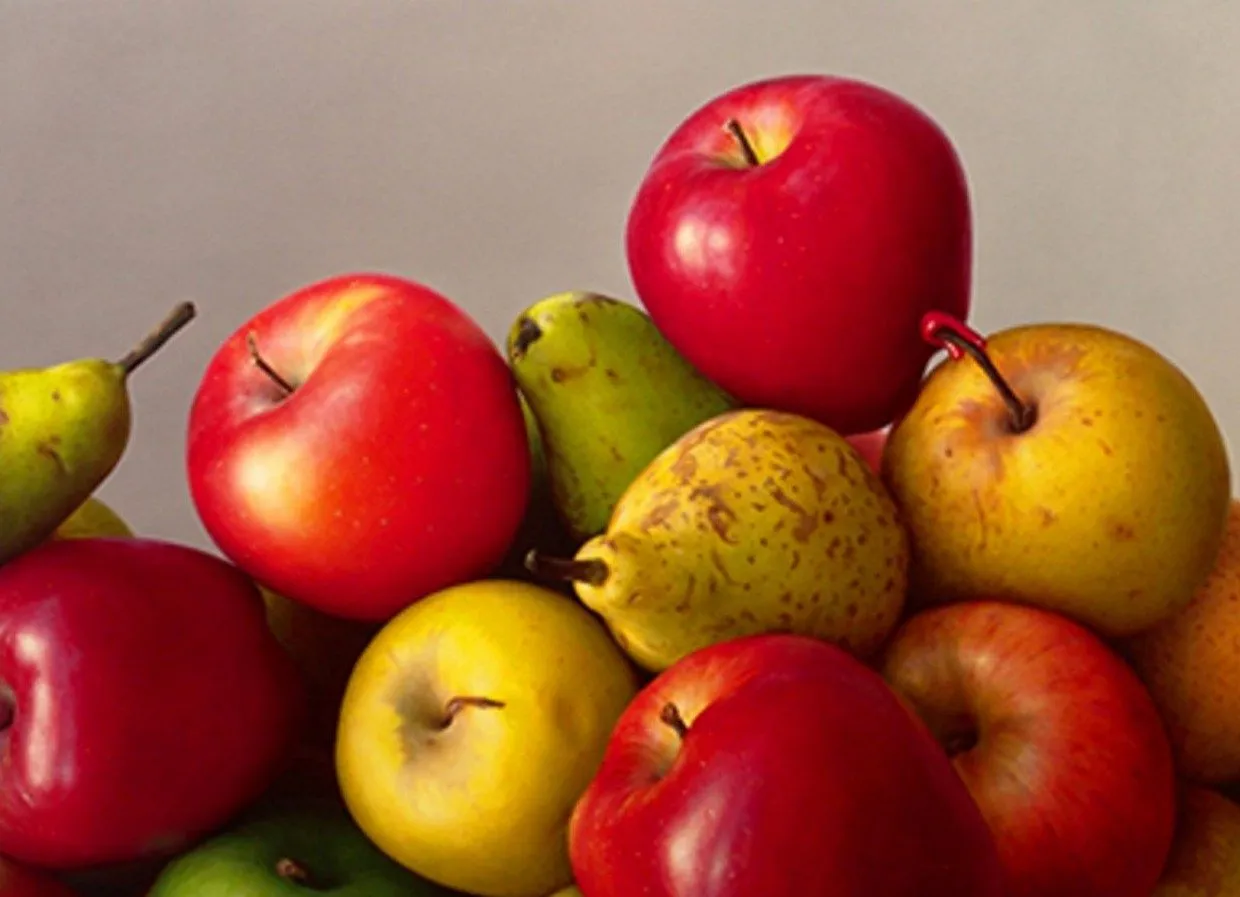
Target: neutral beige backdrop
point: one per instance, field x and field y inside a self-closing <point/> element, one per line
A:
<point x="232" y="151"/>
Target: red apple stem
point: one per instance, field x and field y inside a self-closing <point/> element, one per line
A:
<point x="959" y="340"/>
<point x="261" y="363"/>
<point x="734" y="128"/>
<point x="180" y="315"/>
<point x="588" y="571"/>
<point x="670" y="716"/>
<point x="454" y="706"/>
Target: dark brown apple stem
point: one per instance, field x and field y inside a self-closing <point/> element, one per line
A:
<point x="733" y="127"/>
<point x="588" y="571"/>
<point x="1022" y="414"/>
<point x="181" y="315"/>
<point x="455" y="705"/>
<point x="291" y="870"/>
<point x="262" y="365"/>
<point x="670" y="716"/>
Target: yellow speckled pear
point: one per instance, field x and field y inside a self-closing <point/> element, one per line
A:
<point x="754" y="521"/>
<point x="608" y="391"/>
<point x="63" y="429"/>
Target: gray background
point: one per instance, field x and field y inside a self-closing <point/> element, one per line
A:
<point x="230" y="152"/>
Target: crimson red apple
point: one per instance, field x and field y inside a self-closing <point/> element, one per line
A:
<point x="777" y="765"/>
<point x="358" y="444"/>
<point x="870" y="445"/>
<point x="1059" y="743"/>
<point x="788" y="237"/>
<point x="21" y="881"/>
<point x="144" y="700"/>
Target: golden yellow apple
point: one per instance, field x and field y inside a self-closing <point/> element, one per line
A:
<point x="470" y="726"/>
<point x="570" y="891"/>
<point x="1191" y="667"/>
<point x="1067" y="466"/>
<point x="1205" y="855"/>
<point x="93" y="518"/>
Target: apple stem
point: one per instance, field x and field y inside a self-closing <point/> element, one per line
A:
<point x="733" y="127"/>
<point x="670" y="716"/>
<point x="262" y="365"/>
<point x="959" y="341"/>
<point x="588" y="571"/>
<point x="454" y="707"/>
<point x="181" y="315"/>
<point x="291" y="870"/>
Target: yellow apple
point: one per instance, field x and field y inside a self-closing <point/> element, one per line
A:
<point x="471" y="724"/>
<point x="1205" y="856"/>
<point x="93" y="518"/>
<point x="570" y="891"/>
<point x="1097" y="487"/>
<point x="1191" y="667"/>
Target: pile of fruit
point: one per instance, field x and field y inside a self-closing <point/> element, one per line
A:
<point x="735" y="590"/>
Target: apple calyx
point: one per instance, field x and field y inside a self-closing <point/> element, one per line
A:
<point x="180" y="315"/>
<point x="455" y="705"/>
<point x="946" y="332"/>
<point x="734" y="128"/>
<point x="262" y="364"/>
<point x="528" y="333"/>
<point x="587" y="571"/>
<point x="670" y="716"/>
<point x="290" y="870"/>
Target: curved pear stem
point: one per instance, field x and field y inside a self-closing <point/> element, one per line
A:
<point x="587" y="571"/>
<point x="733" y="127"/>
<point x="181" y="315"/>
<point x="670" y="716"/>
<point x="948" y="333"/>
<point x="455" y="705"/>
<point x="261" y="363"/>
<point x="293" y="871"/>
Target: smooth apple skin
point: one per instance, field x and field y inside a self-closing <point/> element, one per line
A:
<point x="150" y="701"/>
<point x="799" y="284"/>
<point x="1071" y="767"/>
<point x="801" y="774"/>
<point x="398" y="466"/>
<point x="21" y="881"/>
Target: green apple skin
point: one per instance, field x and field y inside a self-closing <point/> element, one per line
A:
<point x="335" y="855"/>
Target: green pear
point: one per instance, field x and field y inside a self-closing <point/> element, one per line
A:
<point x="609" y="392"/>
<point x="754" y="521"/>
<point x="307" y="851"/>
<point x="63" y="429"/>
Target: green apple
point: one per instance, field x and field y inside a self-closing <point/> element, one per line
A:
<point x="309" y="851"/>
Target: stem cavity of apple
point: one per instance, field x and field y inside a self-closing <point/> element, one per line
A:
<point x="945" y="332"/>
<point x="734" y="128"/>
<point x="180" y="315"/>
<point x="670" y="716"/>
<point x="587" y="571"/>
<point x="455" y="705"/>
<point x="293" y="871"/>
<point x="261" y="363"/>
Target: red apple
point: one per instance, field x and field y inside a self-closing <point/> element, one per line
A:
<point x="1059" y="743"/>
<point x="796" y="275"/>
<point x="777" y="765"/>
<point x="870" y="445"/>
<point x="145" y="700"/>
<point x="20" y="881"/>
<point x="358" y="444"/>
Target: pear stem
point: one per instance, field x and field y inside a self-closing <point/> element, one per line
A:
<point x="181" y="315"/>
<point x="1023" y="415"/>
<point x="587" y="571"/>
<point x="291" y="870"/>
<point x="454" y="707"/>
<point x="528" y="333"/>
<point x="262" y="365"/>
<point x="733" y="127"/>
<point x="670" y="716"/>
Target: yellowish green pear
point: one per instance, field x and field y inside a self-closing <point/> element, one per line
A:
<point x="753" y="521"/>
<point x="63" y="429"/>
<point x="94" y="518"/>
<point x="608" y="392"/>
